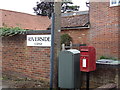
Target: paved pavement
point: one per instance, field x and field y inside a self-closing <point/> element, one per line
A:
<point x="3" y="85"/>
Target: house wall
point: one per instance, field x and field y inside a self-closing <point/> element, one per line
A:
<point x="103" y="33"/>
<point x="0" y="43"/>
<point x="0" y="18"/>
<point x="79" y="36"/>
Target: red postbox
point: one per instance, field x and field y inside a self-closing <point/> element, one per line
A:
<point x="87" y="58"/>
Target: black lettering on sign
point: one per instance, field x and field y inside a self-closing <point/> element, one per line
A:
<point x="37" y="43"/>
<point x="30" y="39"/>
<point x="39" y="39"/>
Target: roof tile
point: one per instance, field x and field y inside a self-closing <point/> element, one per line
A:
<point x="25" y="21"/>
<point x="73" y="21"/>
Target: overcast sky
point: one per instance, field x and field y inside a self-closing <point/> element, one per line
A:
<point x="26" y="6"/>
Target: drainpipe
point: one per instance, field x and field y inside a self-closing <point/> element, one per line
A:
<point x="52" y="51"/>
<point x="88" y="5"/>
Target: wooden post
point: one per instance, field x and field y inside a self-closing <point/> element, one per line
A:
<point x="57" y="31"/>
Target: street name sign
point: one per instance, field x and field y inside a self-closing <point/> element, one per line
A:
<point x="39" y="40"/>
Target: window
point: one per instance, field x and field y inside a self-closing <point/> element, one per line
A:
<point x="118" y="2"/>
<point x="114" y="3"/>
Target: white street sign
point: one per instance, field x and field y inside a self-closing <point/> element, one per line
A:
<point x="39" y="40"/>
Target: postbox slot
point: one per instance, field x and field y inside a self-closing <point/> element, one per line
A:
<point x="84" y="50"/>
<point x="84" y="53"/>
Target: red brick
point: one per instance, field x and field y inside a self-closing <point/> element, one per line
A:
<point x="24" y="21"/>
<point x="104" y="22"/>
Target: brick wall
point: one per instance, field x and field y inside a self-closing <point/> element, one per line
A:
<point x="79" y="36"/>
<point x="33" y="62"/>
<point x="0" y="43"/>
<point x="0" y="18"/>
<point x="103" y="34"/>
<point x="0" y="55"/>
<point x="19" y="60"/>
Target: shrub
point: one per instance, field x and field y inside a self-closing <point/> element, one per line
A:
<point x="65" y="39"/>
<point x="5" y="31"/>
<point x="104" y="57"/>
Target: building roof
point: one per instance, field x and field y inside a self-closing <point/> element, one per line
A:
<point x="34" y="22"/>
<point x="75" y="21"/>
<point x="23" y="20"/>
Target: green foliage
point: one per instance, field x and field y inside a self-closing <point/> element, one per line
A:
<point x="47" y="8"/>
<point x="104" y="57"/>
<point x="65" y="39"/>
<point x="5" y="31"/>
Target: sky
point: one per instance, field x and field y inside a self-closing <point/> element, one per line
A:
<point x="26" y="6"/>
